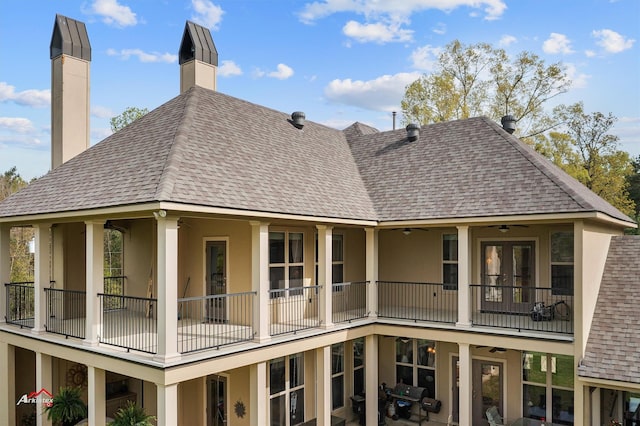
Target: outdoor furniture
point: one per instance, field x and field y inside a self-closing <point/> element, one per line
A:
<point x="494" y="417"/>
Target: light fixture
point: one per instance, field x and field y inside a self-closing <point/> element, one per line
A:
<point x="503" y="228"/>
<point x="160" y="213"/>
<point x="406" y="231"/>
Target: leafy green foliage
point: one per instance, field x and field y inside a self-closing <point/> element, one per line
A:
<point x="68" y="407"/>
<point x="132" y="415"/>
<point x="127" y="117"/>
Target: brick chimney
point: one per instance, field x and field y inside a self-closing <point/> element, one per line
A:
<point x="70" y="62"/>
<point x="198" y="58"/>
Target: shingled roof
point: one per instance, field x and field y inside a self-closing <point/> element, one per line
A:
<point x="612" y="348"/>
<point x="205" y="148"/>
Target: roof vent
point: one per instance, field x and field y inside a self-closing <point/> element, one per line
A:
<point x="509" y="123"/>
<point x="297" y="118"/>
<point x="413" y="131"/>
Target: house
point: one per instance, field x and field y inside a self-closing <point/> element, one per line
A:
<point x="278" y="271"/>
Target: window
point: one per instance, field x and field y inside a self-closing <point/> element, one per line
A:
<point x="337" y="376"/>
<point x="286" y="390"/>
<point x="450" y="261"/>
<point x="546" y="374"/>
<point x="562" y="263"/>
<point x="358" y="366"/>
<point x="337" y="259"/>
<point x="286" y="261"/>
<point x="416" y="363"/>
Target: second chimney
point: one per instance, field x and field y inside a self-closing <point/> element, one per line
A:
<point x="198" y="58"/>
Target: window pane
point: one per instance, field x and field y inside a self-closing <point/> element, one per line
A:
<point x="534" y="402"/>
<point x="295" y="247"/>
<point x="562" y="408"/>
<point x="562" y="279"/>
<point x="450" y="247"/>
<point x="336" y="274"/>
<point x="450" y="274"/>
<point x="296" y="404"/>
<point x="427" y="380"/>
<point x="296" y="370"/>
<point x="358" y="352"/>
<point x="337" y="247"/>
<point x="337" y="392"/>
<point x="276" y="247"/>
<point x="404" y="350"/>
<point x="532" y="370"/>
<point x="295" y="276"/>
<point x="404" y="374"/>
<point x="276" y="376"/>
<point x="358" y="381"/>
<point x="562" y="247"/>
<point x="562" y="369"/>
<point x="337" y="358"/>
<point x="278" y="411"/>
<point x="426" y="353"/>
<point x="276" y="278"/>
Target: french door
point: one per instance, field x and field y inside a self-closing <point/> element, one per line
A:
<point x="216" y="280"/>
<point x="487" y="389"/>
<point x="217" y="397"/>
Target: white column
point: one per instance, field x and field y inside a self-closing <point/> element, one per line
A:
<point x="466" y="384"/>
<point x="97" y="396"/>
<point x="258" y="394"/>
<point x="167" y="404"/>
<point x="94" y="235"/>
<point x="371" y="378"/>
<point x="260" y="279"/>
<point x="325" y="278"/>
<point x="167" y="267"/>
<point x="41" y="276"/>
<point x="464" y="277"/>
<point x="5" y="269"/>
<point x="323" y="386"/>
<point x="595" y="407"/>
<point x="44" y="380"/>
<point x="371" y="273"/>
<point x="7" y="384"/>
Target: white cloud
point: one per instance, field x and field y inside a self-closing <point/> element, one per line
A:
<point x="426" y="57"/>
<point x="143" y="56"/>
<point x="382" y="94"/>
<point x="578" y="80"/>
<point x="611" y="41"/>
<point x="113" y="13"/>
<point x="378" y="32"/>
<point x="100" y="133"/>
<point x="557" y="43"/>
<point x="589" y="53"/>
<point x="396" y="10"/>
<point x="283" y="72"/>
<point x="102" y="112"/>
<point x="228" y="69"/>
<point x="507" y="40"/>
<point x="206" y="14"/>
<point x="14" y="124"/>
<point x="440" y="28"/>
<point x="32" y="98"/>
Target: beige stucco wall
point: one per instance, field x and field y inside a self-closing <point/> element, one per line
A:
<point x="74" y="256"/>
<point x="139" y="256"/>
<point x="192" y="396"/>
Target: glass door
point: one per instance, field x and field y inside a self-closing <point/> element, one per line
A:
<point x="487" y="389"/>
<point x="217" y="395"/>
<point x="216" y="270"/>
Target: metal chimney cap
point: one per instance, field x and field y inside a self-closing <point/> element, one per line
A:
<point x="509" y="123"/>
<point x="297" y="118"/>
<point x="413" y="131"/>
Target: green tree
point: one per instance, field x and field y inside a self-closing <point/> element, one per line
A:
<point x="127" y="117"/>
<point x="634" y="188"/>
<point x="11" y="182"/>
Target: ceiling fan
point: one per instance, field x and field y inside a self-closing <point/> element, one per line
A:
<point x="505" y="228"/>
<point x="493" y="349"/>
<point x="407" y="231"/>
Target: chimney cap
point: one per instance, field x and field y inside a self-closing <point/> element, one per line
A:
<point x="413" y="131"/>
<point x="69" y="38"/>
<point x="298" y="119"/>
<point x="509" y="123"/>
<point x="197" y="44"/>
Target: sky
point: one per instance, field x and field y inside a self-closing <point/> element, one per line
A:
<point x="339" y="61"/>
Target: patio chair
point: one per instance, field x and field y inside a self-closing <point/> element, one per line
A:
<point x="494" y="417"/>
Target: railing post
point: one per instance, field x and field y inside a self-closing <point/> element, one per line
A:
<point x="325" y="279"/>
<point x="260" y="279"/>
<point x="372" y="271"/>
<point x="94" y="234"/>
<point x="41" y="276"/>
<point x="5" y="269"/>
<point x="464" y="277"/>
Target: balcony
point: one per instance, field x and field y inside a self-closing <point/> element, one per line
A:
<point x="418" y="301"/>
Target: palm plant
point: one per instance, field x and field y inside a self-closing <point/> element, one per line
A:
<point x="67" y="408"/>
<point x="131" y="415"/>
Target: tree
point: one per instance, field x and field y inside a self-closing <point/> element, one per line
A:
<point x="633" y="180"/>
<point x="11" y="182"/>
<point x="127" y="117"/>
<point x="68" y="407"/>
<point x="481" y="80"/>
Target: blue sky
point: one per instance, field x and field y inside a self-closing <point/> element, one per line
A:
<point x="339" y="61"/>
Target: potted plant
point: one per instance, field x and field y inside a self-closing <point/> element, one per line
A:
<point x="132" y="415"/>
<point x="67" y="408"/>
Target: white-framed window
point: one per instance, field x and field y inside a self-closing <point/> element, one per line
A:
<point x="562" y="263"/>
<point x="337" y="376"/>
<point x="337" y="259"/>
<point x="286" y="260"/>
<point x="358" y="366"/>
<point x="286" y="390"/>
<point x="416" y="363"/>
<point x="450" y="261"/>
<point x="547" y="387"/>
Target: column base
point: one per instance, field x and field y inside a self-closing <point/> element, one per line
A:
<point x="262" y="339"/>
<point x="167" y="358"/>
<point x="464" y="324"/>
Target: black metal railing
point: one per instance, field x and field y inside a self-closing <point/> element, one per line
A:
<point x="293" y="309"/>
<point x="418" y="301"/>
<point x="133" y="325"/>
<point x="20" y="309"/>
<point x="114" y="286"/>
<point x="214" y="321"/>
<point x="349" y="301"/>
<point x="66" y="312"/>
<point x="522" y="308"/>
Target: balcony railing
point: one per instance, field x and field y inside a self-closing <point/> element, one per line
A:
<point x="418" y="301"/>
<point x="349" y="301"/>
<point x="214" y="321"/>
<point x="293" y="309"/>
<point x="20" y="304"/>
<point x="66" y="312"/>
<point x="522" y="308"/>
<point x="133" y="325"/>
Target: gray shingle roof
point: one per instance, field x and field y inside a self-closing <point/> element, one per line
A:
<point x="612" y="347"/>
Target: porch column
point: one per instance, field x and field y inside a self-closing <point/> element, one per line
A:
<point x="466" y="385"/>
<point x="325" y="279"/>
<point x="371" y="274"/>
<point x="323" y="385"/>
<point x="464" y="278"/>
<point x="167" y="404"/>
<point x="7" y="384"/>
<point x="5" y="269"/>
<point x="97" y="395"/>
<point x="42" y="277"/>
<point x="258" y="394"/>
<point x="260" y="279"/>
<point x="167" y="266"/>
<point x="371" y="378"/>
<point x="44" y="380"/>
<point x="94" y="234"/>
